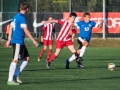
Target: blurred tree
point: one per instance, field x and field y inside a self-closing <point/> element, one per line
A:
<point x="77" y="5"/>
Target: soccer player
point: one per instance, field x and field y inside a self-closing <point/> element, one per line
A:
<point x="84" y="37"/>
<point x="48" y="29"/>
<point x="7" y="29"/>
<point x="64" y="38"/>
<point x="17" y="33"/>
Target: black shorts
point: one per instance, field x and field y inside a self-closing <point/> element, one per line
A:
<point x="20" y="52"/>
<point x="80" y="44"/>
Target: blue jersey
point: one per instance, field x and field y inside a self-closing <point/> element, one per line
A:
<point x="86" y="29"/>
<point x="18" y="23"/>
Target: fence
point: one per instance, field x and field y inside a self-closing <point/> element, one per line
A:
<point x="45" y="7"/>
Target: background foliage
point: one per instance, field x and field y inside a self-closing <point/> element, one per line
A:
<point x="61" y="5"/>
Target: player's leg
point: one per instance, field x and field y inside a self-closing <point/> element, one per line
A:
<point x="43" y="50"/>
<point x="50" y="49"/>
<point x="25" y="59"/>
<point x="53" y="56"/>
<point x="12" y="68"/>
<point x="41" y="41"/>
<point x="59" y="46"/>
<point x="73" y="57"/>
<point x="83" y="44"/>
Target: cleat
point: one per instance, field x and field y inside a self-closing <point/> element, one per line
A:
<point x="67" y="64"/>
<point x="12" y="83"/>
<point x="47" y="64"/>
<point x="79" y="59"/>
<point x="39" y="59"/>
<point x="18" y="80"/>
<point x="80" y="65"/>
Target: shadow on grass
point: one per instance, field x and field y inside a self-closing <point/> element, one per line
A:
<point x="48" y="69"/>
<point x="73" y="80"/>
<point x="103" y="59"/>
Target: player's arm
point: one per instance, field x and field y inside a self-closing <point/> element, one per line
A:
<point x="30" y="36"/>
<point x="9" y="37"/>
<point x="52" y="21"/>
<point x="73" y="33"/>
<point x="72" y="28"/>
<point x="100" y="24"/>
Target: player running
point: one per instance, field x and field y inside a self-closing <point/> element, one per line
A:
<point x="47" y="38"/>
<point x="65" y="37"/>
<point x="84" y="37"/>
<point x="17" y="32"/>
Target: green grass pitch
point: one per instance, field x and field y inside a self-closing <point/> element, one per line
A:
<point x="95" y="75"/>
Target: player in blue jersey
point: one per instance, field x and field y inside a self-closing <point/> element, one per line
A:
<point x="84" y="37"/>
<point x="17" y="33"/>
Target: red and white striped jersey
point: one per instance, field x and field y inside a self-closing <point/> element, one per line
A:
<point x="48" y="30"/>
<point x="64" y="32"/>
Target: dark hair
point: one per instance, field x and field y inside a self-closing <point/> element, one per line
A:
<point x="51" y="16"/>
<point x="86" y="13"/>
<point x="23" y="6"/>
<point x="9" y="22"/>
<point x="73" y="14"/>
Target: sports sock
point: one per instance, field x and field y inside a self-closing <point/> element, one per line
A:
<point x="82" y="51"/>
<point x="20" y="68"/>
<point x="73" y="57"/>
<point x="42" y="52"/>
<point x="52" y="58"/>
<point x="12" y="71"/>
<point x="49" y="53"/>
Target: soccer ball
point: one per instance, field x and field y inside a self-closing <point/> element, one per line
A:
<point x="111" y="66"/>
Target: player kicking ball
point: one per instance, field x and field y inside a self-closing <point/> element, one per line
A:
<point x="17" y="33"/>
<point x="48" y="29"/>
<point x="65" y="37"/>
<point x="84" y="37"/>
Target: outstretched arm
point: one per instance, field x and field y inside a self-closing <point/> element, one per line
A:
<point x="101" y="24"/>
<point x="52" y="21"/>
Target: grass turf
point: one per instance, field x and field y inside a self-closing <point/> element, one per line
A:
<point x="95" y="75"/>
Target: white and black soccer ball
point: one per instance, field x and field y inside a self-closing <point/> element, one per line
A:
<point x="111" y="66"/>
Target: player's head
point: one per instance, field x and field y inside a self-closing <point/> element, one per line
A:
<point x="72" y="16"/>
<point x="24" y="7"/>
<point x="87" y="16"/>
<point x="50" y="18"/>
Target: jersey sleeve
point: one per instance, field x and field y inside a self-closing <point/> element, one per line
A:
<point x="95" y="24"/>
<point x="61" y="21"/>
<point x="12" y="23"/>
<point x="77" y="24"/>
<point x="44" y="27"/>
<point x="23" y="23"/>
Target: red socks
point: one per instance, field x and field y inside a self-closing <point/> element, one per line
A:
<point x="52" y="58"/>
<point x="42" y="52"/>
<point x="49" y="53"/>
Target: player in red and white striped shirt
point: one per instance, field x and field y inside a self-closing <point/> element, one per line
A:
<point x="65" y="37"/>
<point x="47" y="38"/>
